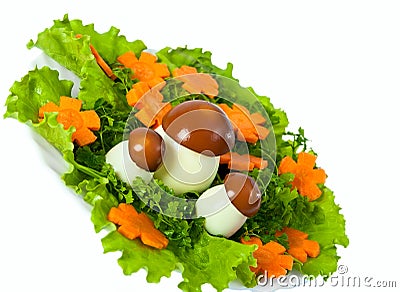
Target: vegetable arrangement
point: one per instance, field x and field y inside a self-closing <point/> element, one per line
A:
<point x="298" y="224"/>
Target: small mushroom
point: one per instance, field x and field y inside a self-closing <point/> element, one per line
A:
<point x="226" y="207"/>
<point x="140" y="155"/>
<point x="195" y="133"/>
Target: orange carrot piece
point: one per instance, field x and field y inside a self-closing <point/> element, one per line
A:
<point x="146" y="57"/>
<point x="248" y="127"/>
<point x="196" y="83"/>
<point x="244" y="162"/>
<point x="225" y="158"/>
<point x="102" y="63"/>
<point x="270" y="258"/>
<point x="90" y="120"/>
<point x="70" y="103"/>
<point x="48" y="107"/>
<point x="306" y="177"/>
<point x="151" y="115"/>
<point x="69" y="115"/>
<point x="257" y="118"/>
<point x="200" y="83"/>
<point x="299" y="246"/>
<point x="183" y="70"/>
<point x="128" y="59"/>
<point x="152" y="109"/>
<point x="240" y="162"/>
<point x="262" y="132"/>
<point x="136" y="92"/>
<point x="145" y="68"/>
<point x="133" y="225"/>
<point x="258" y="162"/>
<point x="83" y="136"/>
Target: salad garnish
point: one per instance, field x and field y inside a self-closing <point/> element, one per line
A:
<point x="70" y="115"/>
<point x="306" y="177"/>
<point x="132" y="225"/>
<point x="160" y="230"/>
<point x="271" y="259"/>
<point x="300" y="247"/>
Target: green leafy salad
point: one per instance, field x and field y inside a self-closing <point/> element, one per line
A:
<point x="297" y="225"/>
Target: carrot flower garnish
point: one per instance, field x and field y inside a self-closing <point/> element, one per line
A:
<point x="134" y="225"/>
<point x="146" y="70"/>
<point x="195" y="82"/>
<point x="248" y="127"/>
<point x="270" y="258"/>
<point x="306" y="177"/>
<point x="69" y="114"/>
<point x="152" y="108"/>
<point x="300" y="247"/>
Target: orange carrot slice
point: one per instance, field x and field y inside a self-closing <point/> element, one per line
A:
<point x="248" y="127"/>
<point x="133" y="225"/>
<point x="244" y="162"/>
<point x="270" y="258"/>
<point x="102" y="63"/>
<point x="306" y="177"/>
<point x="299" y="246"/>
<point x="69" y="115"/>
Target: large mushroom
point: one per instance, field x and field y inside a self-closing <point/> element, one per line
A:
<point x="195" y="133"/>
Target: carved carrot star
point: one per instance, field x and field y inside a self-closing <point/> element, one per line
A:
<point x="306" y="177"/>
<point x="134" y="225"/>
<point x="270" y="258"/>
<point x="300" y="247"/>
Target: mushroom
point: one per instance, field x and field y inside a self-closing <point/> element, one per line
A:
<point x="195" y="133"/>
<point x="227" y="206"/>
<point x="140" y="155"/>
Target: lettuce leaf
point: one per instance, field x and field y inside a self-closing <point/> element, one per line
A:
<point x="329" y="234"/>
<point x="175" y="58"/>
<point x="135" y="256"/>
<point x="203" y="264"/>
<point x="61" y="43"/>
<point x="36" y="88"/>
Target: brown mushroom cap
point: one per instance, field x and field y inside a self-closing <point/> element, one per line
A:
<point x="200" y="126"/>
<point x="145" y="148"/>
<point x="243" y="192"/>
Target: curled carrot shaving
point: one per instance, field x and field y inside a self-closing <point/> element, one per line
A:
<point x="270" y="257"/>
<point x="242" y="162"/>
<point x="196" y="82"/>
<point x="306" y="177"/>
<point x="248" y="127"/>
<point x="100" y="61"/>
<point x="152" y="109"/>
<point x="134" y="225"/>
<point x="69" y="115"/>
<point x="299" y="246"/>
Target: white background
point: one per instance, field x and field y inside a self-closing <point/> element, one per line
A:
<point x="333" y="66"/>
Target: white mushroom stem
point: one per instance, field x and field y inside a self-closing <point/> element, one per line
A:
<point x="124" y="167"/>
<point x="183" y="169"/>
